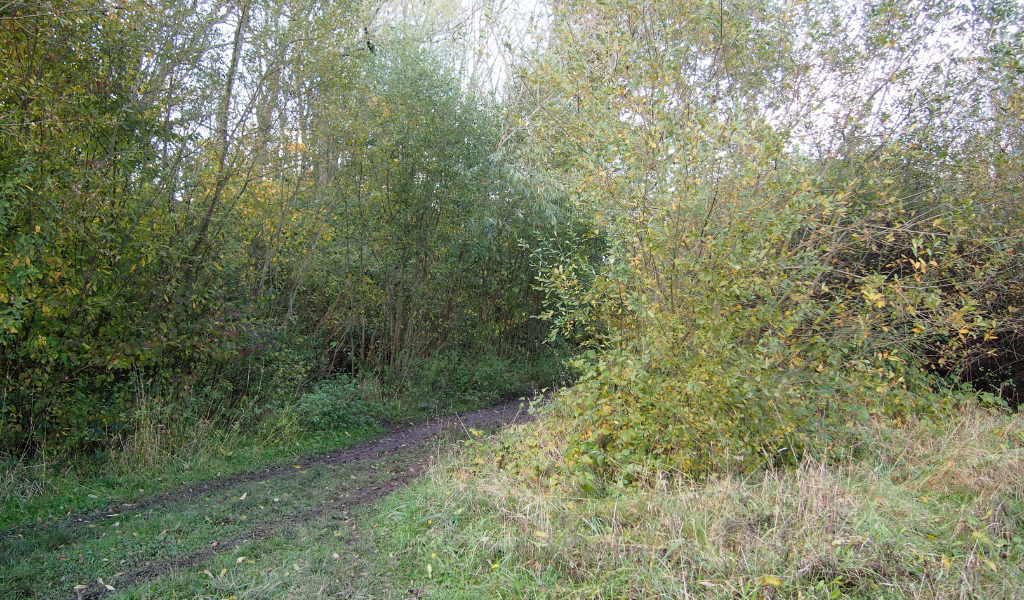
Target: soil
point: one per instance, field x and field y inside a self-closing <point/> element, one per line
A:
<point x="399" y="441"/>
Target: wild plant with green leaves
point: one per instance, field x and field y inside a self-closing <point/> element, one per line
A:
<point x="207" y="208"/>
<point x="793" y="237"/>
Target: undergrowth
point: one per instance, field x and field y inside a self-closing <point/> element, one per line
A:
<point x="163" y="443"/>
<point x="917" y="509"/>
<point x="157" y="457"/>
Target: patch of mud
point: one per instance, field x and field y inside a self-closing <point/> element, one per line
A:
<point x="397" y="441"/>
<point x="142" y="574"/>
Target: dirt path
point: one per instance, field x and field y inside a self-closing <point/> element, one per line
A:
<point x="397" y="439"/>
<point x="199" y="523"/>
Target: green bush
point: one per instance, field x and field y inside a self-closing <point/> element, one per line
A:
<point x="460" y="380"/>
<point x="335" y="403"/>
<point x="762" y="281"/>
<point x="733" y="411"/>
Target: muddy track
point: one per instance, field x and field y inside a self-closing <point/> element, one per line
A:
<point x="140" y="574"/>
<point x="395" y="442"/>
<point x="396" y="439"/>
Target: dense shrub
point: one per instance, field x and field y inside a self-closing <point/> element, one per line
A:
<point x="461" y="379"/>
<point x="337" y="403"/>
<point x="807" y="215"/>
<point x="212" y="216"/>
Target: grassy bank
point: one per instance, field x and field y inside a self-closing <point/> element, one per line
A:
<point x="925" y="511"/>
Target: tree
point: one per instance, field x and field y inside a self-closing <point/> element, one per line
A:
<point x="782" y="248"/>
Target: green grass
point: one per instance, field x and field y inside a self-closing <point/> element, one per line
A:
<point x="289" y="536"/>
<point x="170" y="447"/>
<point x="317" y="560"/>
<point x="292" y="534"/>
<point x="923" y="511"/>
<point x="42" y="490"/>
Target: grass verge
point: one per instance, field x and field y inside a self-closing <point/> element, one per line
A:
<point x="42" y="490"/>
<point x="925" y="510"/>
<point x="299" y="534"/>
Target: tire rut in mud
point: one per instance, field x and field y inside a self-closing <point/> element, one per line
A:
<point x="395" y="442"/>
<point x="396" y="439"/>
<point x="142" y="574"/>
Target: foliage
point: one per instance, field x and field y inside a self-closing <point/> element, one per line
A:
<point x="461" y="380"/>
<point x="335" y="403"/>
<point x="76" y="151"/>
<point x="789" y="240"/>
<point x="221" y="203"/>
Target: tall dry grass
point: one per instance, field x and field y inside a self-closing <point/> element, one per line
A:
<point x="925" y="511"/>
